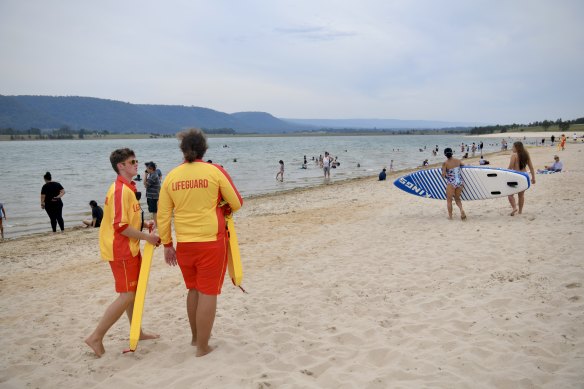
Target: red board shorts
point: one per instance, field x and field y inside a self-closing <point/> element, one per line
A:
<point x="203" y="264"/>
<point x="126" y="273"/>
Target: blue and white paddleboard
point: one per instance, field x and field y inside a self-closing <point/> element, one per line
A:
<point x="479" y="183"/>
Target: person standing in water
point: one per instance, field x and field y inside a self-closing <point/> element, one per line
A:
<point x="451" y="171"/>
<point x="520" y="160"/>
<point x="281" y="172"/>
<point x="51" y="194"/>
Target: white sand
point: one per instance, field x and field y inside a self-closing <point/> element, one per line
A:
<point x="353" y="285"/>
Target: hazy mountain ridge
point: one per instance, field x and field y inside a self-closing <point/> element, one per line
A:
<point x="381" y="124"/>
<point x="94" y="114"/>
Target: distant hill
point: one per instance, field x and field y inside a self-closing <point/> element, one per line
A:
<point x="46" y="112"/>
<point x="93" y="114"/>
<point x="264" y="122"/>
<point x="381" y="124"/>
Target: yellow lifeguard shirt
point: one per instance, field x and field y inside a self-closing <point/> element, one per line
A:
<point x="193" y="192"/>
<point x="121" y="209"/>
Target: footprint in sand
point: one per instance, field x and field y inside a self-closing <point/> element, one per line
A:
<point x="574" y="285"/>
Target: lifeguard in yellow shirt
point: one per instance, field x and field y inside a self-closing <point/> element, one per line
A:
<point x="193" y="192"/>
<point x="119" y="241"/>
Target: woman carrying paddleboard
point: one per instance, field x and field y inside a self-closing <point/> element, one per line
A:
<point x="520" y="160"/>
<point x="192" y="193"/>
<point x="451" y="171"/>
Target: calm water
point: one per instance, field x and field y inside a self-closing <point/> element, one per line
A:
<point x="84" y="170"/>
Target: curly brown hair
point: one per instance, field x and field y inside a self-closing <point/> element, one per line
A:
<point x="119" y="156"/>
<point x="193" y="144"/>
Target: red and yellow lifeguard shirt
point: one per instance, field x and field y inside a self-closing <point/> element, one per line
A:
<point x="121" y="209"/>
<point x="193" y="192"/>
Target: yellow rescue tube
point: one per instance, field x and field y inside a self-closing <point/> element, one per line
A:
<point x="136" y="324"/>
<point x="234" y="258"/>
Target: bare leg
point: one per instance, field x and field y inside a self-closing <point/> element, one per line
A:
<point x="449" y="194"/>
<point x="521" y="197"/>
<point x="513" y="204"/>
<point x="143" y="335"/>
<point x="457" y="193"/>
<point x="192" y="302"/>
<point x="206" y="308"/>
<point x="111" y="315"/>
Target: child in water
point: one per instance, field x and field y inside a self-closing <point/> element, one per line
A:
<point x="281" y="172"/>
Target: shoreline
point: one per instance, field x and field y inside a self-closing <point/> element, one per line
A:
<point x="344" y="181"/>
<point x="357" y="285"/>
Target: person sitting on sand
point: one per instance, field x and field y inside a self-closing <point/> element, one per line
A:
<point x="119" y="242"/>
<point x="96" y="215"/>
<point x="483" y="161"/>
<point x="451" y="171"/>
<point x="557" y="166"/>
<point x="382" y="175"/>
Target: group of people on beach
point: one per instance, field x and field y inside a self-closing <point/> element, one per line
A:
<point x="195" y="197"/>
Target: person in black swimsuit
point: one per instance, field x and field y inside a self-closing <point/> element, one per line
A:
<point x="51" y="202"/>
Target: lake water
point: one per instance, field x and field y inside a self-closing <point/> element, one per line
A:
<point x="84" y="170"/>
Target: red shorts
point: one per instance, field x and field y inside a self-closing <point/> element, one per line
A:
<point x="203" y="264"/>
<point x="126" y="274"/>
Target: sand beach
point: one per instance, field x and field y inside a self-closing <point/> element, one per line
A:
<point x="350" y="285"/>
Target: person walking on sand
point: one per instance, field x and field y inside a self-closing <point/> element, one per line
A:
<point x="520" y="160"/>
<point x="200" y="227"/>
<point x="562" y="144"/>
<point x="119" y="242"/>
<point x="2" y="216"/>
<point x="451" y="172"/>
<point x="51" y="194"/>
<point x="281" y="172"/>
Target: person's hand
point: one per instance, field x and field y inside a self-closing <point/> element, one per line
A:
<point x="42" y="205"/>
<point x="533" y="179"/>
<point x="153" y="239"/>
<point x="226" y="209"/>
<point x="170" y="256"/>
<point x="150" y="224"/>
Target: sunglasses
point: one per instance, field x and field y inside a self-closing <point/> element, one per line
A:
<point x="132" y="162"/>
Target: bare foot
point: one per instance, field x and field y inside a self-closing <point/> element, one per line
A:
<point x="513" y="212"/>
<point x="201" y="352"/>
<point x="96" y="346"/>
<point x="145" y="336"/>
<point x="462" y="216"/>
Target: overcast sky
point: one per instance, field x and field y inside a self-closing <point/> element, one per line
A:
<point x="493" y="61"/>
